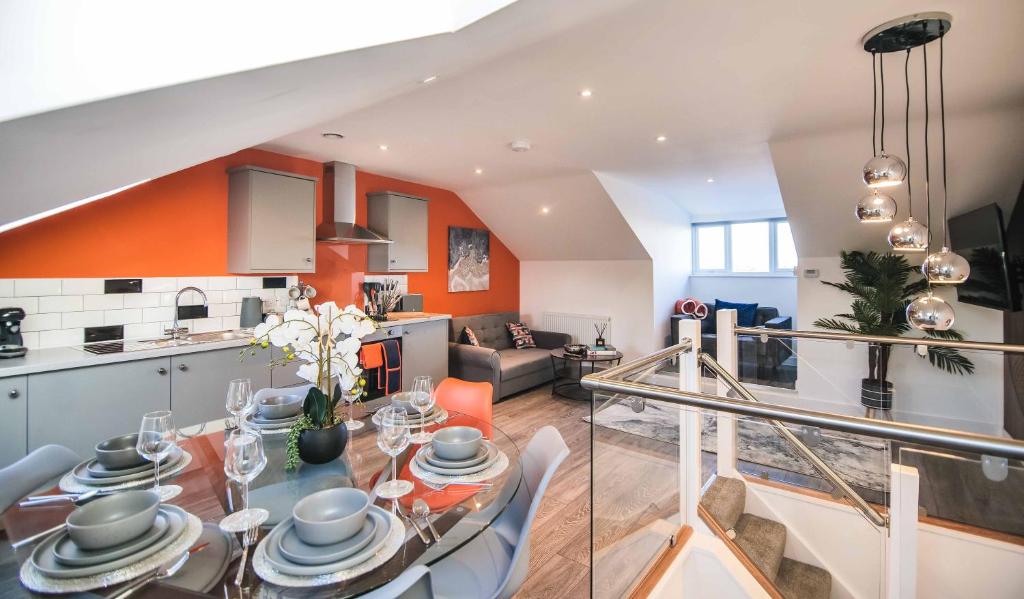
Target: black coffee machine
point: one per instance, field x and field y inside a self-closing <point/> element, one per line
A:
<point x="11" y="342"/>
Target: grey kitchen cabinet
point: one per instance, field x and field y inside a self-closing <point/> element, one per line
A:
<point x="80" y="407"/>
<point x="271" y="221"/>
<point x="13" y="419"/>
<point x="199" y="382"/>
<point x="403" y="220"/>
<point x="424" y="351"/>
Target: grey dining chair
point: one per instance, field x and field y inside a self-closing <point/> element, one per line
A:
<point x="414" y="583"/>
<point x="495" y="563"/>
<point x="39" y="470"/>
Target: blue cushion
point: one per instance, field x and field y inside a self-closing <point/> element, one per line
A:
<point x="745" y="313"/>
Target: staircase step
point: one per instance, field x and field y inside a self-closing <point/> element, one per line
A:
<point x="763" y="541"/>
<point x="725" y="500"/>
<point x="797" y="580"/>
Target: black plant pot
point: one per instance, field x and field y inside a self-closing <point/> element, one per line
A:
<point x="876" y="394"/>
<point x="319" y="446"/>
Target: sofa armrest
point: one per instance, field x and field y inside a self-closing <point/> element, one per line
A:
<point x="473" y="356"/>
<point x="550" y="339"/>
<point x="780" y="322"/>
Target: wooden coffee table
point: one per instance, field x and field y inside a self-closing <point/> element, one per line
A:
<point x="568" y="386"/>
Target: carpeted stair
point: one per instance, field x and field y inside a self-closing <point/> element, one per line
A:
<point x="764" y="542"/>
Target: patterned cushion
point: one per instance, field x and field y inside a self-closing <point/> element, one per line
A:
<point x="469" y="337"/>
<point x="521" y="335"/>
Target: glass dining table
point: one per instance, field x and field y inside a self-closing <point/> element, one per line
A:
<point x="459" y="512"/>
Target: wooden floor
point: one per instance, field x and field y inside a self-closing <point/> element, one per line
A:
<point x="637" y="478"/>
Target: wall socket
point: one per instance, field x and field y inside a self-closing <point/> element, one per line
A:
<point x="811" y="273"/>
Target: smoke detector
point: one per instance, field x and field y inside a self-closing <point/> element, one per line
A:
<point x="520" y="145"/>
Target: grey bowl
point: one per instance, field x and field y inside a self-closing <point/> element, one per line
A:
<point x="280" y="406"/>
<point x="119" y="453"/>
<point x="330" y="516"/>
<point x="401" y="400"/>
<point x="114" y="519"/>
<point x="457" y="442"/>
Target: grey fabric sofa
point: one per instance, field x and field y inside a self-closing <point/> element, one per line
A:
<point x="496" y="360"/>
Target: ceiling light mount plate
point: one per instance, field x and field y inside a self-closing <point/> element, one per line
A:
<point x="907" y="32"/>
<point x="520" y="145"/>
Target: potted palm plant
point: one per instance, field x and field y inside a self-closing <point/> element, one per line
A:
<point x="327" y="339"/>
<point x="882" y="285"/>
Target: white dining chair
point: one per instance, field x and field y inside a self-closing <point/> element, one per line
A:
<point x="414" y="583"/>
<point x="37" y="471"/>
<point x="495" y="563"/>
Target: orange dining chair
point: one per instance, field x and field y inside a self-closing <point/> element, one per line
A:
<point x="471" y="399"/>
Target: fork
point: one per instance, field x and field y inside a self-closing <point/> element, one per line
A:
<point x="248" y="538"/>
<point x="443" y="486"/>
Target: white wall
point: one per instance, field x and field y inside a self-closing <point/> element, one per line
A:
<point x="778" y="292"/>
<point x="830" y="371"/>
<point x="621" y="289"/>
<point x="954" y="564"/>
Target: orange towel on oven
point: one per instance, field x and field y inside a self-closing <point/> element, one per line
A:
<point x="372" y="355"/>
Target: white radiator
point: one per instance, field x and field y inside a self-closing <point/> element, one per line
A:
<point x="580" y="326"/>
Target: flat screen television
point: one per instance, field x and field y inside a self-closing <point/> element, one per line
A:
<point x="979" y="236"/>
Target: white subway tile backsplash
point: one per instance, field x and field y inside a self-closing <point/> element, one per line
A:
<point x="231" y="322"/>
<point x="292" y="280"/>
<point x="61" y="338"/>
<point x="132" y="315"/>
<point x="200" y="282"/>
<point x="60" y="303"/>
<point x="141" y="300"/>
<point x="6" y="287"/>
<point x="281" y="293"/>
<point x="214" y="297"/>
<point x="23" y="287"/>
<point x="29" y="304"/>
<point x="110" y="301"/>
<point x="205" y="325"/>
<point x="158" y="284"/>
<point x="30" y="340"/>
<point x="222" y="310"/>
<point x="147" y="330"/>
<point x="161" y="314"/>
<point x="249" y="283"/>
<point x="235" y="297"/>
<point x="81" y="286"/>
<point x="41" y="322"/>
<point x="71" y="320"/>
<point x="221" y="283"/>
<point x="264" y="294"/>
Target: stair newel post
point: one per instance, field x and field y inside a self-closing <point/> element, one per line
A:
<point x="728" y="358"/>
<point x="901" y="543"/>
<point x="689" y="426"/>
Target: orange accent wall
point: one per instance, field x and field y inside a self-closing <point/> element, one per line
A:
<point x="177" y="226"/>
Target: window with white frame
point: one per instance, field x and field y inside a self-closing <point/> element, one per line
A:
<point x="744" y="247"/>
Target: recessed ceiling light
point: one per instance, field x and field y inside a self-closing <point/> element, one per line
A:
<point x="478" y="171"/>
<point x="586" y="93"/>
<point x="520" y="145"/>
<point x="430" y="79"/>
<point x="660" y="139"/>
<point x="711" y="179"/>
<point x="544" y="210"/>
<point x="332" y="135"/>
<point x="383" y="147"/>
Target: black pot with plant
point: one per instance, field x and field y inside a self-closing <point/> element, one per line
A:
<point x="882" y="286"/>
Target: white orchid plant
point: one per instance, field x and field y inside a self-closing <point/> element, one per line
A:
<point x="313" y="337"/>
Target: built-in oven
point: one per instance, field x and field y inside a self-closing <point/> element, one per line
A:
<point x="376" y="381"/>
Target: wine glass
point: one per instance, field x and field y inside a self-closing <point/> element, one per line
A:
<point x="393" y="438"/>
<point x="422" y="398"/>
<point x="352" y="424"/>
<point x="239" y="399"/>
<point x="244" y="460"/>
<point x="157" y="439"/>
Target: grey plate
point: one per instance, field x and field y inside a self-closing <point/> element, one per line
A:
<point x="436" y="414"/>
<point x="98" y="470"/>
<point x="204" y="569"/>
<point x="492" y="454"/>
<point x="281" y="564"/>
<point x="272" y="424"/>
<point x="45" y="561"/>
<point x="271" y="421"/>
<point x="82" y="476"/>
<point x="69" y="554"/>
<point x="431" y="458"/>
<point x="293" y="549"/>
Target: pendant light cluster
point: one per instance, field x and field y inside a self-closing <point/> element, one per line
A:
<point x="929" y="312"/>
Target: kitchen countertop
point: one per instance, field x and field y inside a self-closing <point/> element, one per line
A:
<point x="64" y="358"/>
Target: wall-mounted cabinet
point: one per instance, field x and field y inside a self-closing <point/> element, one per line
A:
<point x="403" y="220"/>
<point x="271" y="221"/>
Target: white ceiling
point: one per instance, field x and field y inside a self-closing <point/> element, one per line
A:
<point x="722" y="80"/>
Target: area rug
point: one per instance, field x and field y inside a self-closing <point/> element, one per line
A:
<point x="860" y="461"/>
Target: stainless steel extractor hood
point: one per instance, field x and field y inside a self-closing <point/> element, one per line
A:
<point x="345" y="229"/>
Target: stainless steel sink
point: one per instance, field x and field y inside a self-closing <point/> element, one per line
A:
<point x="108" y="347"/>
<point x="217" y="336"/>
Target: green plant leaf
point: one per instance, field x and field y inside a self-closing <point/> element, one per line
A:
<point x="315" y="407"/>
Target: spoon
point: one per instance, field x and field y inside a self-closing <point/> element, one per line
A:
<point x="421" y="509"/>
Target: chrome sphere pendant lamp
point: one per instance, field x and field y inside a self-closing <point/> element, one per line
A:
<point x="875" y="207"/>
<point x="944" y="267"/>
<point x="930" y="313"/>
<point x="909" y="236"/>
<point x="882" y="170"/>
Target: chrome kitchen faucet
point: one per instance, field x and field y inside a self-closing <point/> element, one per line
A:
<point x="175" y="330"/>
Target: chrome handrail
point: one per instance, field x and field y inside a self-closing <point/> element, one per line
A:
<point x="926" y="341"/>
<point x="824" y="469"/>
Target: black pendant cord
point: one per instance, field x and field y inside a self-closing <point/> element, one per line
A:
<point x="874" y="105"/>
<point x="927" y="164"/>
<point x="881" y="77"/>
<point x="906" y="78"/>
<point x="942" y="119"/>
